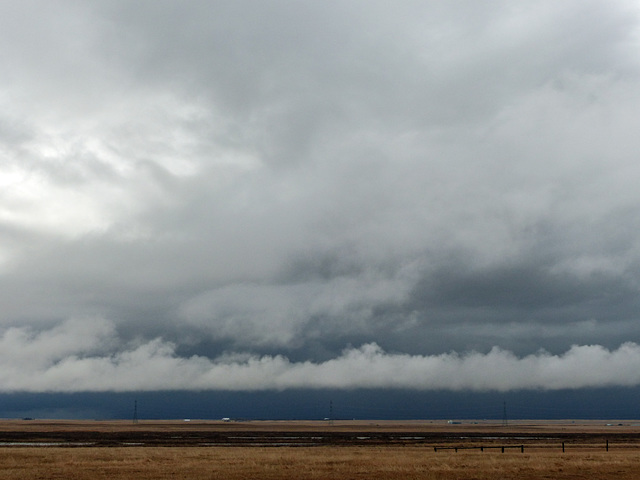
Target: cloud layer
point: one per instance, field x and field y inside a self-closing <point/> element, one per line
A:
<point x="72" y="358"/>
<point x="283" y="180"/>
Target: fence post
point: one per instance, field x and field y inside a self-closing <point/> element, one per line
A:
<point x="562" y="447"/>
<point x="607" y="445"/>
<point x="521" y="448"/>
<point x="503" y="449"/>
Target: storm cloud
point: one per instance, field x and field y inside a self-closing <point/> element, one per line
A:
<point x="72" y="357"/>
<point x="266" y="195"/>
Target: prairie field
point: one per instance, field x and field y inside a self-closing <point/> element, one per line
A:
<point x="280" y="463"/>
<point x="47" y="450"/>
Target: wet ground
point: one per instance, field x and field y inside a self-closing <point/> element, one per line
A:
<point x="153" y="434"/>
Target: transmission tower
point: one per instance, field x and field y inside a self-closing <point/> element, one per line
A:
<point x="330" y="412"/>
<point x="505" y="422"/>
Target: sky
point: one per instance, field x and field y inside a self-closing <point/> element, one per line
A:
<point x="249" y="196"/>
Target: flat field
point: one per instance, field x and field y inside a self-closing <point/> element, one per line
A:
<point x="318" y="450"/>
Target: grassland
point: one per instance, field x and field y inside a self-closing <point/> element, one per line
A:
<point x="231" y="463"/>
<point x="408" y="455"/>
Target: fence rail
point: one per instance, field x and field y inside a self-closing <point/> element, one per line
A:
<point x="482" y="448"/>
<point x="502" y="448"/>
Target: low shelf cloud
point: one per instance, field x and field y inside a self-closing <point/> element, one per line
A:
<point x="243" y="195"/>
<point x="59" y="361"/>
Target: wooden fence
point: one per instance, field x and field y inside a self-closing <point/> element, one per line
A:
<point x="502" y="448"/>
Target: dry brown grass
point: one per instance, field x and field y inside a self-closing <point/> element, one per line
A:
<point x="585" y="457"/>
<point x="371" y="463"/>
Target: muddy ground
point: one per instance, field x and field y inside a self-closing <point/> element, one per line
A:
<point x="596" y="434"/>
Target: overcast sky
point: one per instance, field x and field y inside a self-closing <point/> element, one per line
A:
<point x="280" y="194"/>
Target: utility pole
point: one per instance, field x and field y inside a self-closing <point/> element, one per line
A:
<point x="135" y="411"/>
<point x="330" y="412"/>
<point x="505" y="422"/>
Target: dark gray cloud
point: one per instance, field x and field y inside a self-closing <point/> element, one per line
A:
<point x="214" y="187"/>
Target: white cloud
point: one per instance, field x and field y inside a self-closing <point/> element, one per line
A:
<point x="276" y="315"/>
<point x="71" y="359"/>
